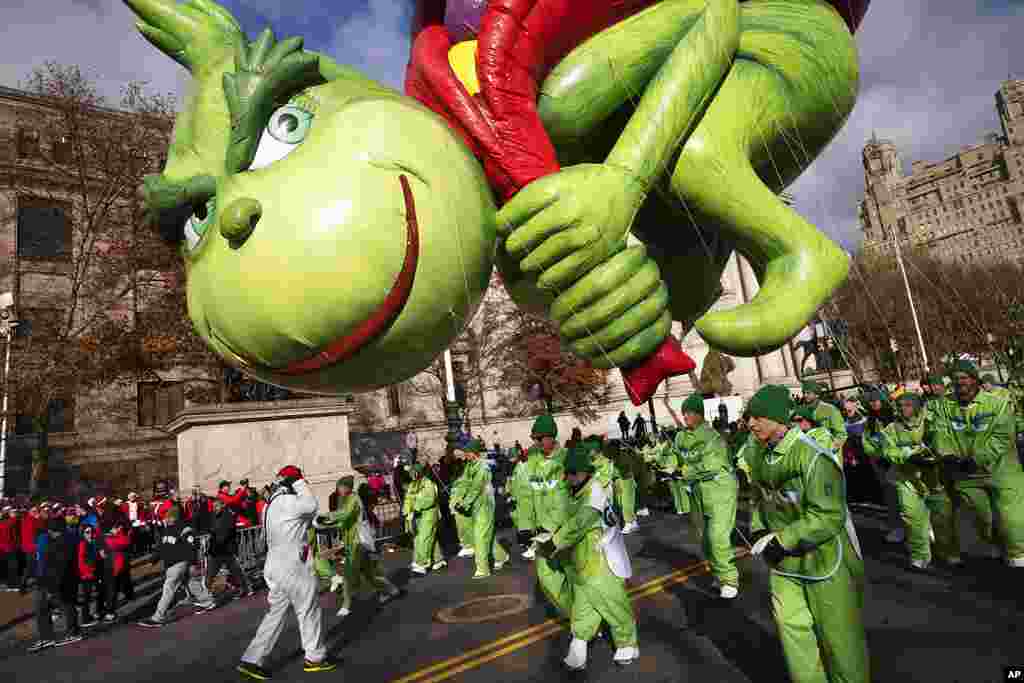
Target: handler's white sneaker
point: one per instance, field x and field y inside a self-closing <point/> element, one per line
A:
<point x="336" y="583"/>
<point x="466" y="552"/>
<point x="919" y="564"/>
<point x="1015" y="562"/>
<point x="530" y="553"/>
<point x="643" y="512"/>
<point x="418" y="570"/>
<point x="577" y="657"/>
<point x="344" y="612"/>
<point x="499" y="565"/>
<point x="440" y="564"/>
<point x="626" y="655"/>
<point x="630" y="527"/>
<point x="729" y="592"/>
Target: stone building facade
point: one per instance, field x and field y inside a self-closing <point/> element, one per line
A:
<point x="964" y="208"/>
<point x="113" y="438"/>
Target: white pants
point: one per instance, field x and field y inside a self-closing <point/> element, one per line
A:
<point x="177" y="576"/>
<point x="297" y="587"/>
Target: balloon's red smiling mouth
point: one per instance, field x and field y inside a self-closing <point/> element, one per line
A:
<point x="343" y="348"/>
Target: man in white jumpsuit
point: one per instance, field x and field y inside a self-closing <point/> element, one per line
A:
<point x="290" y="577"/>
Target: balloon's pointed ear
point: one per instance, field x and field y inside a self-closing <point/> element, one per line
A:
<point x="193" y="33"/>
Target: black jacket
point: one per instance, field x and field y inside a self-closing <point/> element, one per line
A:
<point x="178" y="543"/>
<point x="59" y="573"/>
<point x="223" y="534"/>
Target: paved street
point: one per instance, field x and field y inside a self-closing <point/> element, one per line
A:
<point x="937" y="627"/>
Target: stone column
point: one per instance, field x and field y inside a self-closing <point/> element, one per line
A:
<point x="253" y="440"/>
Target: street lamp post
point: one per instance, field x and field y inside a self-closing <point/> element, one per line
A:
<point x="7" y="324"/>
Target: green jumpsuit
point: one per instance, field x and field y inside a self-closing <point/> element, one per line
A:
<point x="983" y="431"/>
<point x="924" y="501"/>
<point x="463" y="523"/>
<point x="663" y="457"/>
<point x="475" y="493"/>
<point x="822" y="436"/>
<point x="709" y="480"/>
<point x="818" y="595"/>
<point x="598" y="595"/>
<point x="523" y="477"/>
<point x="830" y="418"/>
<point x="362" y="572"/>
<point x="625" y="485"/>
<point x="421" y="517"/>
<point x="553" y="501"/>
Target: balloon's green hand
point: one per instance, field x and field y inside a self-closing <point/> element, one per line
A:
<point x="565" y="224"/>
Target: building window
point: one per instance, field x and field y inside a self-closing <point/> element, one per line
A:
<point x="44" y="229"/>
<point x="28" y="143"/>
<point x="394" y="402"/>
<point x="159" y="402"/>
<point x="62" y="152"/>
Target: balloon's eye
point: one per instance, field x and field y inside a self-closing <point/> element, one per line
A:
<point x="287" y="129"/>
<point x="196" y="225"/>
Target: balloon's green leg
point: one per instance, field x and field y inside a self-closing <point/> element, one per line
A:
<point x="791" y="88"/>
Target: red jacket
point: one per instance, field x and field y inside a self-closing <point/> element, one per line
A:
<point x="142" y="513"/>
<point x="233" y="500"/>
<point x="87" y="560"/>
<point x="261" y="505"/>
<point x="30" y="528"/>
<point x="161" y="511"/>
<point x="9" y="528"/>
<point x="118" y="545"/>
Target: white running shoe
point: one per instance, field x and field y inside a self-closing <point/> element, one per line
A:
<point x="499" y="565"/>
<point x="344" y="612"/>
<point x="530" y="553"/>
<point x="729" y="592"/>
<point x="626" y="655"/>
<point x="897" y="535"/>
<point x="630" y="527"/>
<point x="478" y="575"/>
<point x="643" y="512"/>
<point x="440" y="564"/>
<point x="1015" y="562"/>
<point x="577" y="657"/>
<point x="418" y="570"/>
<point x="466" y="552"/>
<point x="919" y="564"/>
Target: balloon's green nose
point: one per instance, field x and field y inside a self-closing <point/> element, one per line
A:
<point x="239" y="219"/>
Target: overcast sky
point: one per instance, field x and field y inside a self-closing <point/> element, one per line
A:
<point x="929" y="69"/>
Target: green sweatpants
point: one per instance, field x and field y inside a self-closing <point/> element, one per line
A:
<point x="821" y="626"/>
<point x="625" y="491"/>
<point x="712" y="518"/>
<point x="996" y="497"/>
<point x="426" y="549"/>
<point x="603" y="599"/>
<point x="680" y="501"/>
<point x="921" y="510"/>
<point x="554" y="584"/>
<point x="484" y="542"/>
<point x="525" y="517"/>
<point x="464" y="528"/>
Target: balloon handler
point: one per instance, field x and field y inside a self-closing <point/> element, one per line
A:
<point x="803" y="530"/>
<point x="421" y="514"/>
<point x="591" y="552"/>
<point x="663" y="460"/>
<point x="361" y="572"/>
<point x="709" y="481"/>
<point x="473" y="497"/>
<point x="290" y="578"/>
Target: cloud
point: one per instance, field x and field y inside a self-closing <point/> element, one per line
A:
<point x="376" y="40"/>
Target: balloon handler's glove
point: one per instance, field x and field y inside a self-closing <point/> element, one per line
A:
<point x="462" y="510"/>
<point x="766" y="544"/>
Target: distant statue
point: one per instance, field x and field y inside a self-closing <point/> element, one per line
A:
<point x="714" y="375"/>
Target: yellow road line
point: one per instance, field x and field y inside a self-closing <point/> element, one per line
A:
<point x="516" y="641"/>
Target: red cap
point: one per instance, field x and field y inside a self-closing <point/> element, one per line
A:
<point x="290" y="472"/>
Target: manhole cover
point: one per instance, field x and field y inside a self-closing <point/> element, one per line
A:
<point x="490" y="608"/>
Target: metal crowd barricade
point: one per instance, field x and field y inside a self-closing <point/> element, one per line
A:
<point x="252" y="551"/>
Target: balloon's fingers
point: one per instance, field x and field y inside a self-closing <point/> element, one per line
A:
<point x="522" y="207"/>
<point x="554" y="254"/>
<point x="525" y="239"/>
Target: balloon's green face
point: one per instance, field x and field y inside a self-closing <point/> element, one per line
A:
<point x="344" y="249"/>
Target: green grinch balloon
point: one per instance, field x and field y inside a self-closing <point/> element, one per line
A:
<point x="337" y="235"/>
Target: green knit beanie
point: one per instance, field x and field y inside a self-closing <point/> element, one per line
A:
<point x="805" y="413"/>
<point x="988" y="378"/>
<point x="417" y="468"/>
<point x="966" y="367"/>
<point x="545" y="426"/>
<point x="579" y="460"/>
<point x="812" y="388"/>
<point x="474" y="446"/>
<point x="773" y="402"/>
<point x="347" y="481"/>
<point x="694" y="403"/>
<point x="912" y="396"/>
